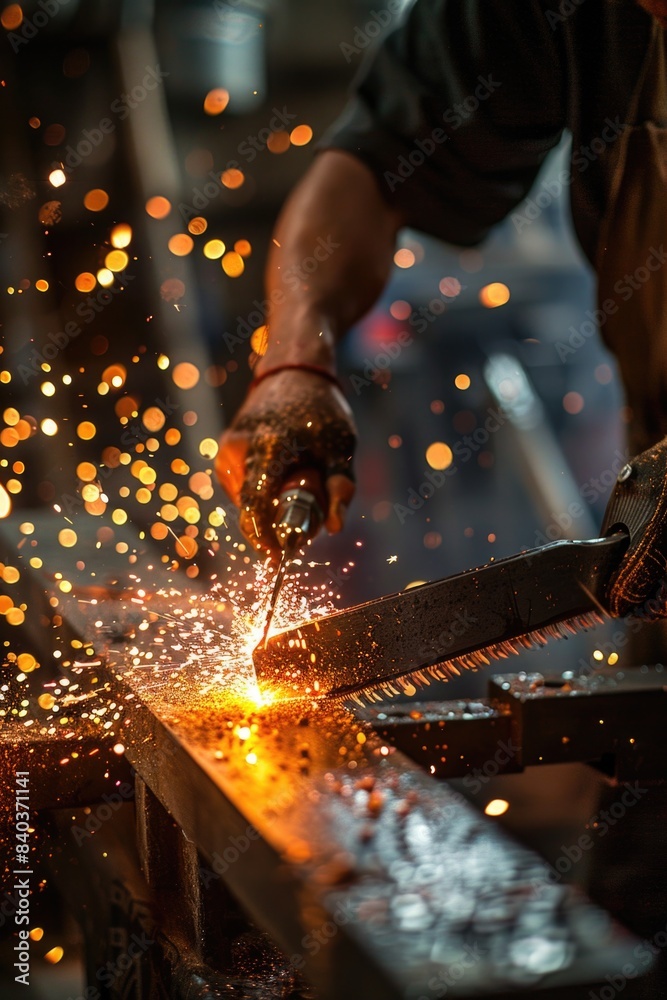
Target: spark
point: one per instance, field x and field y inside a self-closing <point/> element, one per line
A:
<point x="496" y="807"/>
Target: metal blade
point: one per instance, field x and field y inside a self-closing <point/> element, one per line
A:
<point x="449" y="619"/>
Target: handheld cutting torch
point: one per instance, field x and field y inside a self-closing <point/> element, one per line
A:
<point x="299" y="516"/>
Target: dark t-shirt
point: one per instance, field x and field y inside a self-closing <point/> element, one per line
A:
<point x="459" y="107"/>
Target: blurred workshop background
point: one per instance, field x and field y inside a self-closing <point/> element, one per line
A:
<point x="146" y="151"/>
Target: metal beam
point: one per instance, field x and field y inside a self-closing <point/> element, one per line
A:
<point x="612" y="720"/>
<point x="374" y="879"/>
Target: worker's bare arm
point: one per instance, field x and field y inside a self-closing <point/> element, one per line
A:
<point x="329" y="260"/>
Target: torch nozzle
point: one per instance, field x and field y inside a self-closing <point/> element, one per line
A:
<point x="298" y="518"/>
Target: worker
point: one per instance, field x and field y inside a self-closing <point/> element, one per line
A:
<point x="450" y="123"/>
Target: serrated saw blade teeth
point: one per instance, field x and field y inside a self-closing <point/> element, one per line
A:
<point x="409" y="684"/>
<point x="507" y="606"/>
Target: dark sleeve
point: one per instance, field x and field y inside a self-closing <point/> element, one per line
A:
<point x="457" y="110"/>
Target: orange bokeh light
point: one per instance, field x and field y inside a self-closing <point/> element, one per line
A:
<point x="216" y="101"/>
<point x="158" y="207"/>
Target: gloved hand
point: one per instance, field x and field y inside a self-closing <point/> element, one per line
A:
<point x="639" y="506"/>
<point x="292" y="420"/>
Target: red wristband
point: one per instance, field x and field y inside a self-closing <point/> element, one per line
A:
<point x="313" y="369"/>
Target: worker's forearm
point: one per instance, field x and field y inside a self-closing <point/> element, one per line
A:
<point x="330" y="258"/>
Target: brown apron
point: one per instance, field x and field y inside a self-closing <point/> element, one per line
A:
<point x="632" y="254"/>
<point x="632" y="278"/>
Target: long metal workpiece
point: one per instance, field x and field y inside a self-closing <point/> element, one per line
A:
<point x="376" y="880"/>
